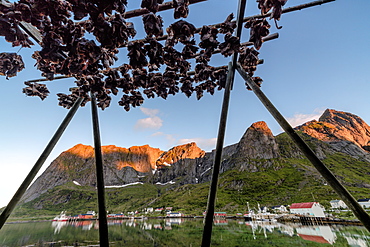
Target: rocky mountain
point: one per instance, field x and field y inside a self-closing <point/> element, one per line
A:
<point x="121" y="166"/>
<point x="336" y="125"/>
<point x="248" y="168"/>
<point x="342" y="130"/>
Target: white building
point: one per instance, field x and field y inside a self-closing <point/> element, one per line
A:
<point x="307" y="209"/>
<point x="365" y="203"/>
<point x="174" y="214"/>
<point x="280" y="209"/>
<point x="149" y="210"/>
<point x="338" y="204"/>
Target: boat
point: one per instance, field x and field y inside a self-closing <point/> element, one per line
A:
<point x="248" y="216"/>
<point x="61" y="217"/>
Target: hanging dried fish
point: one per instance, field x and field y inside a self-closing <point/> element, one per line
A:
<point x="10" y="64"/>
<point x="170" y="83"/>
<point x="175" y="61"/>
<point x="181" y="31"/>
<point x="36" y="89"/>
<point x="112" y="32"/>
<point x="67" y="101"/>
<point x="66" y="50"/>
<point x="134" y="100"/>
<point x="208" y="39"/>
<point x="276" y="5"/>
<point x="139" y="78"/>
<point x="248" y="59"/>
<point x="103" y="99"/>
<point x="187" y="85"/>
<point x="137" y="54"/>
<point x="190" y="49"/>
<point x="181" y="8"/>
<point x="228" y="26"/>
<point x="259" y="28"/>
<point x="9" y="19"/>
<point x="153" y="25"/>
<point x="219" y="77"/>
<point x="151" y="5"/>
<point x="203" y="72"/>
<point x="154" y="50"/>
<point x="230" y="46"/>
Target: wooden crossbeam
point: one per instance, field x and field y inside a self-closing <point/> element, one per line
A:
<point x="161" y="7"/>
<point x="267" y="38"/>
<point x="245" y="19"/>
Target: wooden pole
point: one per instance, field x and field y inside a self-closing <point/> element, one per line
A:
<point x="306" y="150"/>
<point x="103" y="224"/>
<point x="208" y="224"/>
<point x="22" y="189"/>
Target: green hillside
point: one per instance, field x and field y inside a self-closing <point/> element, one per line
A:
<point x="290" y="179"/>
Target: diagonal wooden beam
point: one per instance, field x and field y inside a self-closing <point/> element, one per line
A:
<point x="208" y="221"/>
<point x="306" y="150"/>
<point x="36" y="168"/>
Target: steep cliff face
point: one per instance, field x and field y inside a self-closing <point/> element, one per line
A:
<point x="258" y="142"/>
<point x="140" y="158"/>
<point x="257" y="150"/>
<point x="186" y="151"/>
<point x="121" y="166"/>
<point x="338" y="126"/>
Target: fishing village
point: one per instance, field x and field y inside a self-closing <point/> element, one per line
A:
<point x="307" y="213"/>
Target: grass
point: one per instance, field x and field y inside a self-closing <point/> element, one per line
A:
<point x="289" y="179"/>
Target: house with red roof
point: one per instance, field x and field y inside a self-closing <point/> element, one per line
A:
<point x="313" y="209"/>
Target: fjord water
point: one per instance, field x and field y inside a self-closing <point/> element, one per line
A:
<point x="181" y="232"/>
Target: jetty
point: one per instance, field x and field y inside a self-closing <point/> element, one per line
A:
<point x="311" y="220"/>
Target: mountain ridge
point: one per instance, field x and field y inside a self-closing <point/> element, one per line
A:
<point x="334" y="137"/>
<point x="337" y="125"/>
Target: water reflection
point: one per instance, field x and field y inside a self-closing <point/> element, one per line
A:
<point x="319" y="234"/>
<point x="86" y="225"/>
<point x="58" y="225"/>
<point x="188" y="232"/>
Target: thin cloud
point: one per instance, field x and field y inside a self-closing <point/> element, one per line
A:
<point x="151" y="122"/>
<point x="170" y="138"/>
<point x="300" y="118"/>
<point x="149" y="112"/>
<point x="154" y="122"/>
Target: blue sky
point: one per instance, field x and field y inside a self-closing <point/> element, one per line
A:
<point x="320" y="60"/>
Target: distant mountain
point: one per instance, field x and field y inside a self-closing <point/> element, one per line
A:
<point x="341" y="129"/>
<point x="259" y="168"/>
